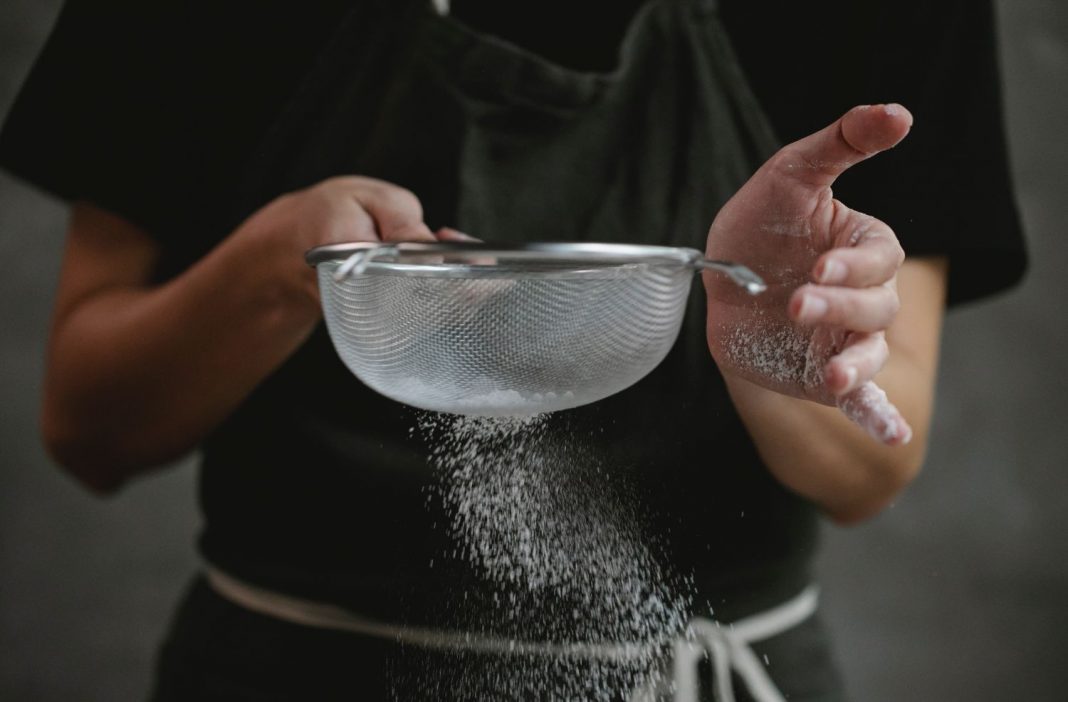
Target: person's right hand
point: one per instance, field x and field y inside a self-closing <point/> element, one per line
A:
<point x="337" y="210"/>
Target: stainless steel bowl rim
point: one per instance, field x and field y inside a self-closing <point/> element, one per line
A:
<point x="360" y="256"/>
<point x="588" y="252"/>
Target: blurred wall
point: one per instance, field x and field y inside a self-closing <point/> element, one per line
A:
<point x="959" y="591"/>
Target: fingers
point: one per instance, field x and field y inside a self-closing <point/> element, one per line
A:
<point x="397" y="212"/>
<point x="864" y="131"/>
<point x="869" y="309"/>
<point x="870" y="409"/>
<point x="871" y="256"/>
<point x="450" y="234"/>
<point x="352" y="224"/>
<point x="863" y="356"/>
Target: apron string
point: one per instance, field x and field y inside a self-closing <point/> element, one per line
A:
<point x="727" y="646"/>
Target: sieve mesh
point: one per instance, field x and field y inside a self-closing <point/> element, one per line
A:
<point x="498" y="340"/>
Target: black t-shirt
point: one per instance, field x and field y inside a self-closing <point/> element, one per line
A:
<point x="945" y="190"/>
<point x="123" y="88"/>
<point x="155" y="110"/>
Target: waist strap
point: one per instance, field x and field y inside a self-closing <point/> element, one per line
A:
<point x="726" y="645"/>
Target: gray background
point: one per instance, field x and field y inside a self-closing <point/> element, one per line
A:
<point x="959" y="591"/>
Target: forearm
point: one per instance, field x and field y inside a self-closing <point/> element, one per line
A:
<point x="139" y="373"/>
<point x="816" y="451"/>
<point x="138" y="376"/>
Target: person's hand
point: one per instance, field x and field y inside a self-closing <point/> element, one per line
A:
<point x="818" y="331"/>
<point x="337" y="210"/>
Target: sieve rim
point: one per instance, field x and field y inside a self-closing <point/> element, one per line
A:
<point x="359" y="256"/>
<point x="580" y="270"/>
<point x="579" y="252"/>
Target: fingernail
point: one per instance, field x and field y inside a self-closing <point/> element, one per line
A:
<point x="812" y="308"/>
<point x="831" y="272"/>
<point x="893" y="109"/>
<point x="455" y="234"/>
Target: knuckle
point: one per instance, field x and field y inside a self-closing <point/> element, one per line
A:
<point x="791" y="162"/>
<point x="851" y="307"/>
<point x="287" y="200"/>
<point x="402" y="200"/>
<point x="780" y="160"/>
<point x="334" y="183"/>
<point x="893" y="302"/>
<point x="898" y="253"/>
<point x="882" y="348"/>
<point x="353" y="181"/>
<point x="891" y="305"/>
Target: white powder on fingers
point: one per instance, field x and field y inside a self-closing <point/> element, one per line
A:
<point x="870" y="408"/>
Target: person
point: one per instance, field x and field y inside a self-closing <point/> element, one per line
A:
<point x="205" y="148"/>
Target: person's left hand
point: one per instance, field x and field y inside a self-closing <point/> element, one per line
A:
<point x="818" y="331"/>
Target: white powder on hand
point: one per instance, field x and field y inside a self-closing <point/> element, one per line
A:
<point x="781" y="355"/>
<point x="791" y="359"/>
<point x="869" y="407"/>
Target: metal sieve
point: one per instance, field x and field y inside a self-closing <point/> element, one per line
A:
<point x="494" y="330"/>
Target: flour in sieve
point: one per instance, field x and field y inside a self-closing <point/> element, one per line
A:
<point x="542" y="519"/>
<point x="457" y="398"/>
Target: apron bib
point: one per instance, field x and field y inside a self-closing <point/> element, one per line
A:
<point x="508" y="147"/>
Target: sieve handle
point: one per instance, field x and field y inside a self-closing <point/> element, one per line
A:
<point x="357" y="263"/>
<point x="741" y="275"/>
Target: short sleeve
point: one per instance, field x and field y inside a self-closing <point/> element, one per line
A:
<point x="150" y="109"/>
<point x="947" y="188"/>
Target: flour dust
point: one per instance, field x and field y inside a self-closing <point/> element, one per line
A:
<point x="562" y="543"/>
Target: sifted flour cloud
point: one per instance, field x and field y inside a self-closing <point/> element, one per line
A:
<point x="544" y="521"/>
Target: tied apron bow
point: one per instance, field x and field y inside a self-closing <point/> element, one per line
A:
<point x="727" y="647"/>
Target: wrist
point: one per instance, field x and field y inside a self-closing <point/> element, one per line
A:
<point x="272" y="272"/>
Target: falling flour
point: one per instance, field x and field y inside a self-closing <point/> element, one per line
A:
<point x="541" y="518"/>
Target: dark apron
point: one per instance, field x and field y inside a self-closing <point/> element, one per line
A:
<point x="509" y="147"/>
<point x="506" y="146"/>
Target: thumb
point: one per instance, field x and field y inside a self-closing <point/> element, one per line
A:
<point x="870" y="409"/>
<point x="864" y="131"/>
